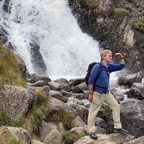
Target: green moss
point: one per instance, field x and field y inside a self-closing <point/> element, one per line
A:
<point x="33" y="119"/>
<point x="9" y="70"/>
<point x="70" y="137"/>
<point x="7" y="138"/>
<point x="5" y="119"/>
<point x="66" y="119"/>
<point x="139" y="25"/>
<point x="121" y="11"/>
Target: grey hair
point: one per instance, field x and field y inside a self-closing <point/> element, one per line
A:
<point x="105" y="52"/>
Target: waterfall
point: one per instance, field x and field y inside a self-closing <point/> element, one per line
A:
<point x="61" y="46"/>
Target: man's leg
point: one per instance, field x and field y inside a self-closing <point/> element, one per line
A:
<point x="94" y="108"/>
<point x="115" y="107"/>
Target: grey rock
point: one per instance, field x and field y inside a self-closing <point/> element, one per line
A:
<point x="132" y="116"/>
<point x="65" y="93"/>
<point x="45" y="129"/>
<point x="139" y="140"/>
<point x="54" y="137"/>
<point x="16" y="101"/>
<point x="37" y="77"/>
<point x="54" y="86"/>
<point x="36" y="142"/>
<point x="65" y="87"/>
<point x="78" y="122"/>
<point x="75" y="82"/>
<point x="130" y="79"/>
<point x="79" y="130"/>
<point x="136" y="91"/>
<point x="62" y="81"/>
<point x="39" y="83"/>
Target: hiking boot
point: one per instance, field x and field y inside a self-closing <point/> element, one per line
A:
<point x="120" y="130"/>
<point x="93" y="135"/>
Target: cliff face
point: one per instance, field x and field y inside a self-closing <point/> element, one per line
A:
<point x="118" y="25"/>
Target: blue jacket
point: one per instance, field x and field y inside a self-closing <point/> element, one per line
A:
<point x="102" y="84"/>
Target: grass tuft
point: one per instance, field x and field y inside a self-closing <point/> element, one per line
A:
<point x="9" y="71"/>
<point x="121" y="11"/>
<point x="139" y="25"/>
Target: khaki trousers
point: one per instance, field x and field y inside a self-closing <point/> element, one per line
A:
<point x="95" y="105"/>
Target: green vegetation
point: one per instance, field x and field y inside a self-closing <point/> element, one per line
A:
<point x="121" y="11"/>
<point x="66" y="119"/>
<point x="7" y="138"/>
<point x="139" y="25"/>
<point x="87" y="3"/>
<point x="33" y="119"/>
<point x="70" y="137"/>
<point x="9" y="70"/>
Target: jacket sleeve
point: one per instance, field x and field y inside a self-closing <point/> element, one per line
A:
<point x="116" y="67"/>
<point x="93" y="74"/>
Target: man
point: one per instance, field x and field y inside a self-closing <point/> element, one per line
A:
<point x="99" y="92"/>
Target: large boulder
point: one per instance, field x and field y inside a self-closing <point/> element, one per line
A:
<point x="105" y="139"/>
<point x="39" y="83"/>
<point x="130" y="79"/>
<point x="54" y="137"/>
<point x="45" y="129"/>
<point x="132" y="116"/>
<point x="14" y="135"/>
<point x="62" y="81"/>
<point x="136" y="91"/>
<point x="56" y="106"/>
<point x="78" y="122"/>
<point x="75" y="82"/>
<point x="79" y="130"/>
<point x="65" y="87"/>
<point x="16" y="101"/>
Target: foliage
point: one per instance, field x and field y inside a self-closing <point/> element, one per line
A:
<point x="70" y="137"/>
<point x="66" y="119"/>
<point x="5" y="119"/>
<point x="139" y="25"/>
<point x="120" y="11"/>
<point x="7" y="138"/>
<point x="9" y="71"/>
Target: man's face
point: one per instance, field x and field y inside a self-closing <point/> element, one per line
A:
<point x="108" y="57"/>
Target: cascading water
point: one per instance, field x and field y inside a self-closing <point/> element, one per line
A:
<point x="64" y="48"/>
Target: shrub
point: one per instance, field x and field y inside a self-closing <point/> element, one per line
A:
<point x="121" y="11"/>
<point x="139" y="25"/>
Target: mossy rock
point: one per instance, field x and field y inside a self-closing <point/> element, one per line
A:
<point x="119" y="11"/>
<point x="10" y="73"/>
<point x="139" y="25"/>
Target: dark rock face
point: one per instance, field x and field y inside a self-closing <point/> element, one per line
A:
<point x="132" y="116"/>
<point x="36" y="58"/>
<point x="112" y="23"/>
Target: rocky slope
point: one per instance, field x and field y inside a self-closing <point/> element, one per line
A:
<point x="118" y="25"/>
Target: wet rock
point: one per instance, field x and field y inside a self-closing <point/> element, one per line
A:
<point x="83" y="86"/>
<point x="79" y="130"/>
<point x="105" y="139"/>
<point x="36" y="77"/>
<point x="65" y="87"/>
<point x="36" y="58"/>
<point x="54" y="137"/>
<point x="6" y="6"/>
<point x="3" y="35"/>
<point x="75" y="82"/>
<point x="76" y="89"/>
<point x="62" y="81"/>
<point x="136" y="91"/>
<point x="45" y="129"/>
<point x="130" y="79"/>
<point x="39" y="83"/>
<point x="54" y="86"/>
<point x="16" y="101"/>
<point x="65" y="93"/>
<point x="132" y="116"/>
<point x="58" y="95"/>
<point x="79" y="96"/>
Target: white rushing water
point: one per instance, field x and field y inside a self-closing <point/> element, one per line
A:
<point x="65" y="49"/>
